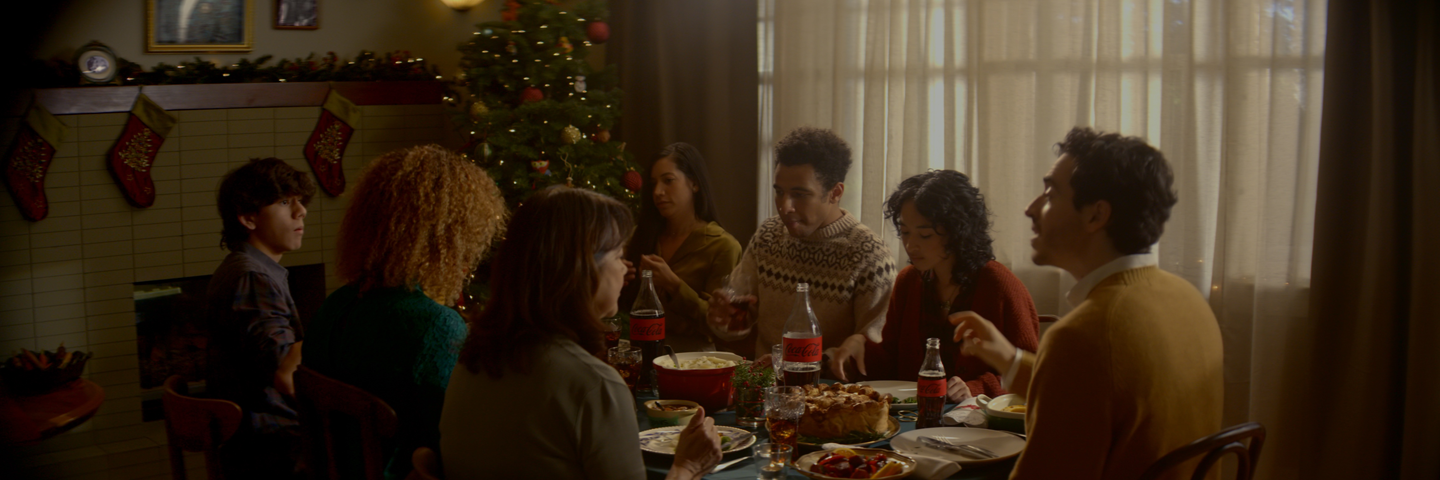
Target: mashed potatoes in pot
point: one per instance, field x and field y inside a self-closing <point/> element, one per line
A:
<point x="701" y="363"/>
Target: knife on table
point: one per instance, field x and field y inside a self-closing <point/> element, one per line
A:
<point x="962" y="449"/>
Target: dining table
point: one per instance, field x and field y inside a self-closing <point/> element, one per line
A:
<point x="658" y="465"/>
<point x="29" y="419"/>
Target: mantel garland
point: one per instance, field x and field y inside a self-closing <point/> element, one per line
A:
<point x="367" y="66"/>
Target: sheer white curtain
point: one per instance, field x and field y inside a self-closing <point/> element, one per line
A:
<point x="1230" y="91"/>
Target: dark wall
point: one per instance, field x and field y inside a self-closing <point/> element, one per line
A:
<point x="689" y="69"/>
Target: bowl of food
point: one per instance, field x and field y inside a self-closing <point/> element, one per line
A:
<point x="1005" y="412"/>
<point x="30" y="373"/>
<point x="854" y="463"/>
<point x="665" y="413"/>
<point x="701" y="377"/>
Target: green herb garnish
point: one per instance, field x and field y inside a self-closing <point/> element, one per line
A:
<point x="910" y="400"/>
<point x="749" y="375"/>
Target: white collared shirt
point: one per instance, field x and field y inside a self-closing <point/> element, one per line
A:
<point x="1082" y="289"/>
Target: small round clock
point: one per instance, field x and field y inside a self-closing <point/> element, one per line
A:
<point x="96" y="63"/>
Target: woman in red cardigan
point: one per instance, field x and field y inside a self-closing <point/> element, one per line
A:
<point x="943" y="225"/>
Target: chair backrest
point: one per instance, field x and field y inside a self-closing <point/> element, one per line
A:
<point x="1047" y="321"/>
<point x="1230" y="440"/>
<point x="196" y="425"/>
<point x="323" y="400"/>
<point x="426" y="465"/>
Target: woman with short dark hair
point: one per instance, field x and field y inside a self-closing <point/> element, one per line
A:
<point x="944" y="227"/>
<point x="533" y="399"/>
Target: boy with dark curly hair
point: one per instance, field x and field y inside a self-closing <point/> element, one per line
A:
<point x="255" y="337"/>
<point x="812" y="240"/>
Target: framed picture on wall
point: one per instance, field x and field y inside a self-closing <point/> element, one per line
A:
<point x="199" y="25"/>
<point x="297" y="14"/>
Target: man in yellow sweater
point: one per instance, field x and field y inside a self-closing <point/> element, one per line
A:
<point x="1136" y="369"/>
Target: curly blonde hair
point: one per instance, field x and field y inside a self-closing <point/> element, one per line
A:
<point x="422" y="216"/>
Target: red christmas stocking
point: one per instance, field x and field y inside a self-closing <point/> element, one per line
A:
<point x="30" y="158"/>
<point x="134" y="154"/>
<point x="326" y="149"/>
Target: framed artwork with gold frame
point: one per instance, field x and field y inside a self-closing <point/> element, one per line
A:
<point x="199" y="26"/>
<point x="297" y="14"/>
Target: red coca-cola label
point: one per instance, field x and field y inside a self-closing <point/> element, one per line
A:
<point x="801" y="350"/>
<point x="647" y="329"/>
<point x="931" y="388"/>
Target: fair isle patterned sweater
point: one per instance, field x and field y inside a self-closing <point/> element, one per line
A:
<point x="850" y="272"/>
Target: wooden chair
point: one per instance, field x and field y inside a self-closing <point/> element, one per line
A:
<point x="1047" y="321"/>
<point x="196" y="425"/>
<point x="426" y="465"/>
<point x="1214" y="447"/>
<point x="323" y="401"/>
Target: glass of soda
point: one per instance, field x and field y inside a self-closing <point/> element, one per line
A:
<point x="612" y="331"/>
<point x="626" y="360"/>
<point x="736" y="287"/>
<point x="783" y="408"/>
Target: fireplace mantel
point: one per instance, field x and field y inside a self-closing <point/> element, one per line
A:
<point x="79" y="100"/>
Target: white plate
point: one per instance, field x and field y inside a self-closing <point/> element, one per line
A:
<point x="1003" y="444"/>
<point x="896" y="388"/>
<point x="662" y="440"/>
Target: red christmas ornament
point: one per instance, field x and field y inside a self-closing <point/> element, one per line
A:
<point x="512" y="11"/>
<point x="632" y="180"/>
<point x="598" y="32"/>
<point x="531" y="94"/>
<point x="601" y="136"/>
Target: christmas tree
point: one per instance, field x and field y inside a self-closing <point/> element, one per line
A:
<point x="538" y="114"/>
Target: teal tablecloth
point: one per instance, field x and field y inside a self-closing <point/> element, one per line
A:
<point x="657" y="465"/>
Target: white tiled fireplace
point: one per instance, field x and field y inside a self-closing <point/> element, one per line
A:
<point x="69" y="278"/>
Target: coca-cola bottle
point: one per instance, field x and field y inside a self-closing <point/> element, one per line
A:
<point x="647" y="329"/>
<point x="931" y="386"/>
<point x="802" y="341"/>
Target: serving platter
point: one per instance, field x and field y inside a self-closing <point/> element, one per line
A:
<point x="894" y="428"/>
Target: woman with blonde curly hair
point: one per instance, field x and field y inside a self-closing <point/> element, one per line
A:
<point x="418" y="223"/>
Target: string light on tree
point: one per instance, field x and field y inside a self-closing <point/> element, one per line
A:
<point x="543" y="100"/>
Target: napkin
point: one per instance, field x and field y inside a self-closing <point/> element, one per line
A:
<point x="926" y="467"/>
<point x="966" y="414"/>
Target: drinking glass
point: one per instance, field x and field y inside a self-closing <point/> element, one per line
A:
<point x="612" y="331"/>
<point x="772" y="460"/>
<point x="735" y="287"/>
<point x="783" y="408"/>
<point x="777" y="361"/>
<point x="750" y="384"/>
<point x="626" y="360"/>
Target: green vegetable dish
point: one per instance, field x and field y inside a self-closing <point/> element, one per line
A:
<point x="910" y="400"/>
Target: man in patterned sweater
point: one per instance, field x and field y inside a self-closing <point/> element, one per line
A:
<point x="811" y="240"/>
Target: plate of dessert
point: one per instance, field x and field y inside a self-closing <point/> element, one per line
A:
<point x="845" y="414"/>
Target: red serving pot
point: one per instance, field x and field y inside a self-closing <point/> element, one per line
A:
<point x="712" y="388"/>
